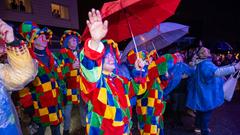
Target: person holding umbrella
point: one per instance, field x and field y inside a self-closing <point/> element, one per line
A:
<point x="151" y="105"/>
<point x="110" y="96"/>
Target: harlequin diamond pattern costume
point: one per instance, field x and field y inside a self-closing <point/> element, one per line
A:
<point x="71" y="75"/>
<point x="44" y="92"/>
<point x="150" y="106"/>
<point x="110" y="96"/>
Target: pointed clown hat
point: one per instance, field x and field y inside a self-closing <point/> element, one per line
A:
<point x="68" y="34"/>
<point x="26" y="28"/>
<point x="112" y="47"/>
<point x="30" y="31"/>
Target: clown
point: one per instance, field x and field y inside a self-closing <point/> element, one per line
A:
<point x="69" y="55"/>
<point x="150" y="106"/>
<point x="110" y="96"/>
<point x="20" y="70"/>
<point x="44" y="92"/>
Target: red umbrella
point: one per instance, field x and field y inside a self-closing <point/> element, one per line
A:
<point x="133" y="17"/>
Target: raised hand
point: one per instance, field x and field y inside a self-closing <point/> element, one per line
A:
<point x="139" y="64"/>
<point x="98" y="29"/>
<point x="6" y="32"/>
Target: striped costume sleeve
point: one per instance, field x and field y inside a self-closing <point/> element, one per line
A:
<point x="137" y="85"/>
<point x="165" y="62"/>
<point x="21" y="68"/>
<point x="91" y="67"/>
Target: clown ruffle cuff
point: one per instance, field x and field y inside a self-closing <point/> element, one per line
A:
<point x="16" y="43"/>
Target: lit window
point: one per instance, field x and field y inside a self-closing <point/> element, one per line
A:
<point x="59" y="11"/>
<point x="19" y="5"/>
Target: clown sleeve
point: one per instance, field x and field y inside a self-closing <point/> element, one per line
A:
<point x="165" y="62"/>
<point x="90" y="66"/>
<point x="175" y="74"/>
<point x="65" y="66"/>
<point x="137" y="85"/>
<point x="21" y="68"/>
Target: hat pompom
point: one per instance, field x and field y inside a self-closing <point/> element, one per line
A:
<point x="26" y="28"/>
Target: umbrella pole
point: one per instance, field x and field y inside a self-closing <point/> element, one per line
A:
<point x="155" y="49"/>
<point x="134" y="41"/>
<point x="130" y="29"/>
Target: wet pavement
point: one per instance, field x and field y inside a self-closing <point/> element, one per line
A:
<point x="225" y="121"/>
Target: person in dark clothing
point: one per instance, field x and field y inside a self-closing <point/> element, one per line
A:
<point x="178" y="99"/>
<point x="13" y="5"/>
<point x="22" y="7"/>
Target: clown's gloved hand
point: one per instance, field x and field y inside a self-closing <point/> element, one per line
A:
<point x="139" y="64"/>
<point x="6" y="32"/>
<point x="98" y="29"/>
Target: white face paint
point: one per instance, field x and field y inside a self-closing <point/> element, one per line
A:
<point x="109" y="63"/>
<point x="41" y="42"/>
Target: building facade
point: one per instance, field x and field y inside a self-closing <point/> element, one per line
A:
<point x="56" y="13"/>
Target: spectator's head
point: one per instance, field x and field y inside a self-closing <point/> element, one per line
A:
<point x="229" y="56"/>
<point x="203" y="53"/>
<point x="180" y="57"/>
<point x="21" y="2"/>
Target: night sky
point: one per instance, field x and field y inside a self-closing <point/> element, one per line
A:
<point x="210" y="20"/>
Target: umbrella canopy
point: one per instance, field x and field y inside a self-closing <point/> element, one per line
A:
<point x="159" y="37"/>
<point x="133" y="17"/>
<point x="223" y="47"/>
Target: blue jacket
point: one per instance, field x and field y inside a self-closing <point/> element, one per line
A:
<point x="176" y="73"/>
<point x="9" y="124"/>
<point x="205" y="91"/>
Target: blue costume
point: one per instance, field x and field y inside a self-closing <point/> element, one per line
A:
<point x="205" y="92"/>
<point x="8" y="118"/>
<point x="175" y="74"/>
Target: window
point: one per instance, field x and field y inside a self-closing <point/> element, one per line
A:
<point x="59" y="11"/>
<point x="19" y="5"/>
